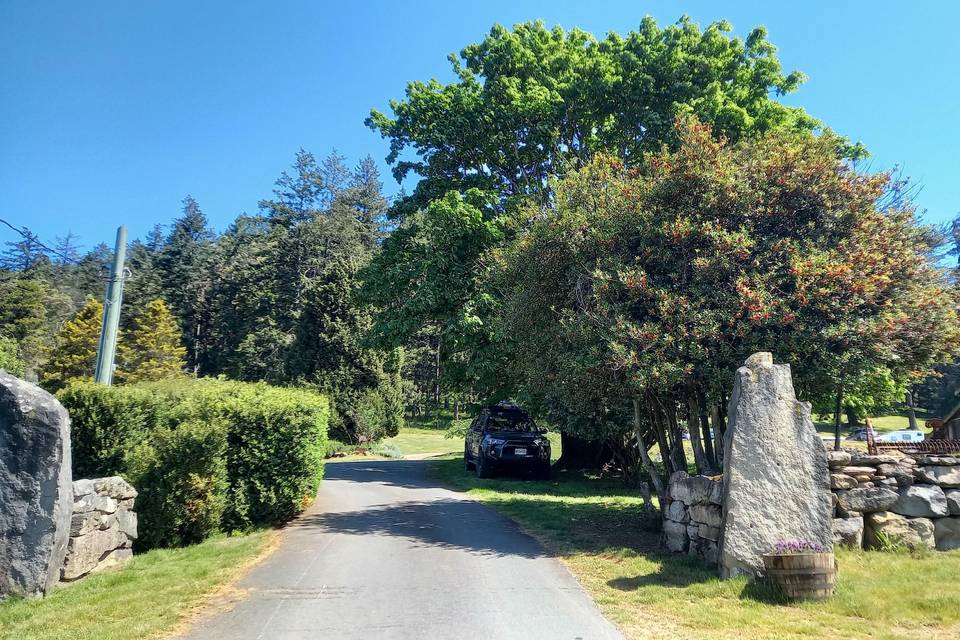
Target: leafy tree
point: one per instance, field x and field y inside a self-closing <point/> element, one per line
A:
<point x="75" y="348"/>
<point x="642" y="291"/>
<point x="145" y="283"/>
<point x="529" y="104"/>
<point x="151" y="349"/>
<point x="10" y="357"/>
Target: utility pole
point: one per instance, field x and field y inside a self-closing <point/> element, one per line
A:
<point x="111" y="312"/>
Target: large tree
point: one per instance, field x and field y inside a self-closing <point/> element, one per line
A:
<point x="530" y="104"/>
<point x="634" y="300"/>
<point x="151" y="349"/>
<point x="74" y="352"/>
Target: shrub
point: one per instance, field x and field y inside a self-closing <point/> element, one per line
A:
<point x="107" y="421"/>
<point x="204" y="454"/>
<point x="181" y="475"/>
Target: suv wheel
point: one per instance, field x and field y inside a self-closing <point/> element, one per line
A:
<point x="483" y="469"/>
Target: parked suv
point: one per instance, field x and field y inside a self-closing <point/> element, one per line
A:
<point x="504" y="436"/>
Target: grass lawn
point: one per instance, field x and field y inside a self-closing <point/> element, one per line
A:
<point x="593" y="525"/>
<point x="425" y="441"/>
<point x="145" y="599"/>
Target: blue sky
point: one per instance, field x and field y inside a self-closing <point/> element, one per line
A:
<point x="111" y="112"/>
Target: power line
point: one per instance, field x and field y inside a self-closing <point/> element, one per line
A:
<point x="32" y="237"/>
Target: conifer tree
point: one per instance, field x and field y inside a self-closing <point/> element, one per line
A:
<point x="75" y="351"/>
<point x="151" y="349"/>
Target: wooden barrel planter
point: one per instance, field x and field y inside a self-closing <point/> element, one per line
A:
<point x="806" y="576"/>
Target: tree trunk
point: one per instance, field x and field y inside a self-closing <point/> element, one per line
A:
<point x="705" y="431"/>
<point x="693" y="428"/>
<point x="651" y="470"/>
<point x="852" y="419"/>
<point x="456" y="409"/>
<point x="911" y="410"/>
<point x="836" y="419"/>
<point x="577" y="454"/>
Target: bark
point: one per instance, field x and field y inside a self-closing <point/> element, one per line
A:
<point x="911" y="410"/>
<point x="651" y="470"/>
<point x="836" y="419"/>
<point x="705" y="430"/>
<point x="693" y="428"/>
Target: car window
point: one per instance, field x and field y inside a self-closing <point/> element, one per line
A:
<point x="507" y="422"/>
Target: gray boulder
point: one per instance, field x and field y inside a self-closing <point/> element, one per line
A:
<point x="902" y="474"/>
<point x="838" y="459"/>
<point x="953" y="501"/>
<point x="842" y="481"/>
<point x="891" y="527"/>
<point x="942" y="476"/>
<point x="946" y="532"/>
<point x="921" y="501"/>
<point x="776" y="479"/>
<point x="677" y="512"/>
<point x="675" y="536"/>
<point x="36" y="490"/>
<point x="694" y="490"/>
<point x="708" y="514"/>
<point x="867" y="500"/>
<point x="848" y="532"/>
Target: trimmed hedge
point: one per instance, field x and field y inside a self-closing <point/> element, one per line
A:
<point x="205" y="455"/>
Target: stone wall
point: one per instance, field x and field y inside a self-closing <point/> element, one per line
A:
<point x="692" y="516"/>
<point x="914" y="499"/>
<point x="102" y="528"/>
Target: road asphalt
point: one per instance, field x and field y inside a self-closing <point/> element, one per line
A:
<point x="385" y="553"/>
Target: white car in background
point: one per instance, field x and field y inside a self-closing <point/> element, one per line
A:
<point x="900" y="436"/>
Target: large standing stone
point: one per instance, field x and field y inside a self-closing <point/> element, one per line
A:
<point x="776" y="480"/>
<point x="947" y="533"/>
<point x="922" y="501"/>
<point x="36" y="496"/>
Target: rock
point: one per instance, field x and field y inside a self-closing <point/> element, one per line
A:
<point x="868" y="499"/>
<point x="82" y="488"/>
<point x="859" y="471"/>
<point x="716" y="495"/>
<point x="675" y="536"/>
<point x="889" y="482"/>
<point x="709" y="533"/>
<point x="709" y="514"/>
<point x="913" y="532"/>
<point x="85" y="552"/>
<point x="945" y="461"/>
<point x="693" y="490"/>
<point x="848" y="532"/>
<point x="941" y="476"/>
<point x="776" y="479"/>
<point x="862" y="459"/>
<point x="677" y="512"/>
<point x="115" y="487"/>
<point x="693" y="532"/>
<point x="953" y="501"/>
<point x="842" y="481"/>
<point x="704" y="549"/>
<point x="36" y="488"/>
<point x="901" y="473"/>
<point x="923" y="501"/>
<point x="946" y="532"/>
<point x="838" y="459"/>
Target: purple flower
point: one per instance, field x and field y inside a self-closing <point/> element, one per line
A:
<point x="788" y="547"/>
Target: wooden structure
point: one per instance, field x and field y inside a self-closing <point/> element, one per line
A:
<point x="805" y="576"/>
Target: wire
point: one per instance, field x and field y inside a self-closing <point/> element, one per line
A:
<point x="30" y="236"/>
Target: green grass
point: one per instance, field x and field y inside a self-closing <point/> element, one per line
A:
<point x="425" y="441"/>
<point x="594" y="524"/>
<point x="144" y="599"/>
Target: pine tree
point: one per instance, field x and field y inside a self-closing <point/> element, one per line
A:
<point x="75" y="353"/>
<point x="187" y="274"/>
<point x="151" y="349"/>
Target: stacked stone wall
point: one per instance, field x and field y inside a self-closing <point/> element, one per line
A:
<point x="894" y="498"/>
<point x="692" y="516"/>
<point x="102" y="528"/>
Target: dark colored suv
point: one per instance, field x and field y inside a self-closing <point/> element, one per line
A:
<point x="504" y="436"/>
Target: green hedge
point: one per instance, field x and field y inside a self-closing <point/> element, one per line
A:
<point x="205" y="455"/>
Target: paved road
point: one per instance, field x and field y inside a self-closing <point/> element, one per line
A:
<point x="385" y="554"/>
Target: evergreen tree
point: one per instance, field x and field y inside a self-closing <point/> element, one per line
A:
<point x="24" y="254"/>
<point x="75" y="348"/>
<point x="151" y="349"/>
<point x="10" y="360"/>
<point x="186" y="270"/>
<point x="67" y="249"/>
